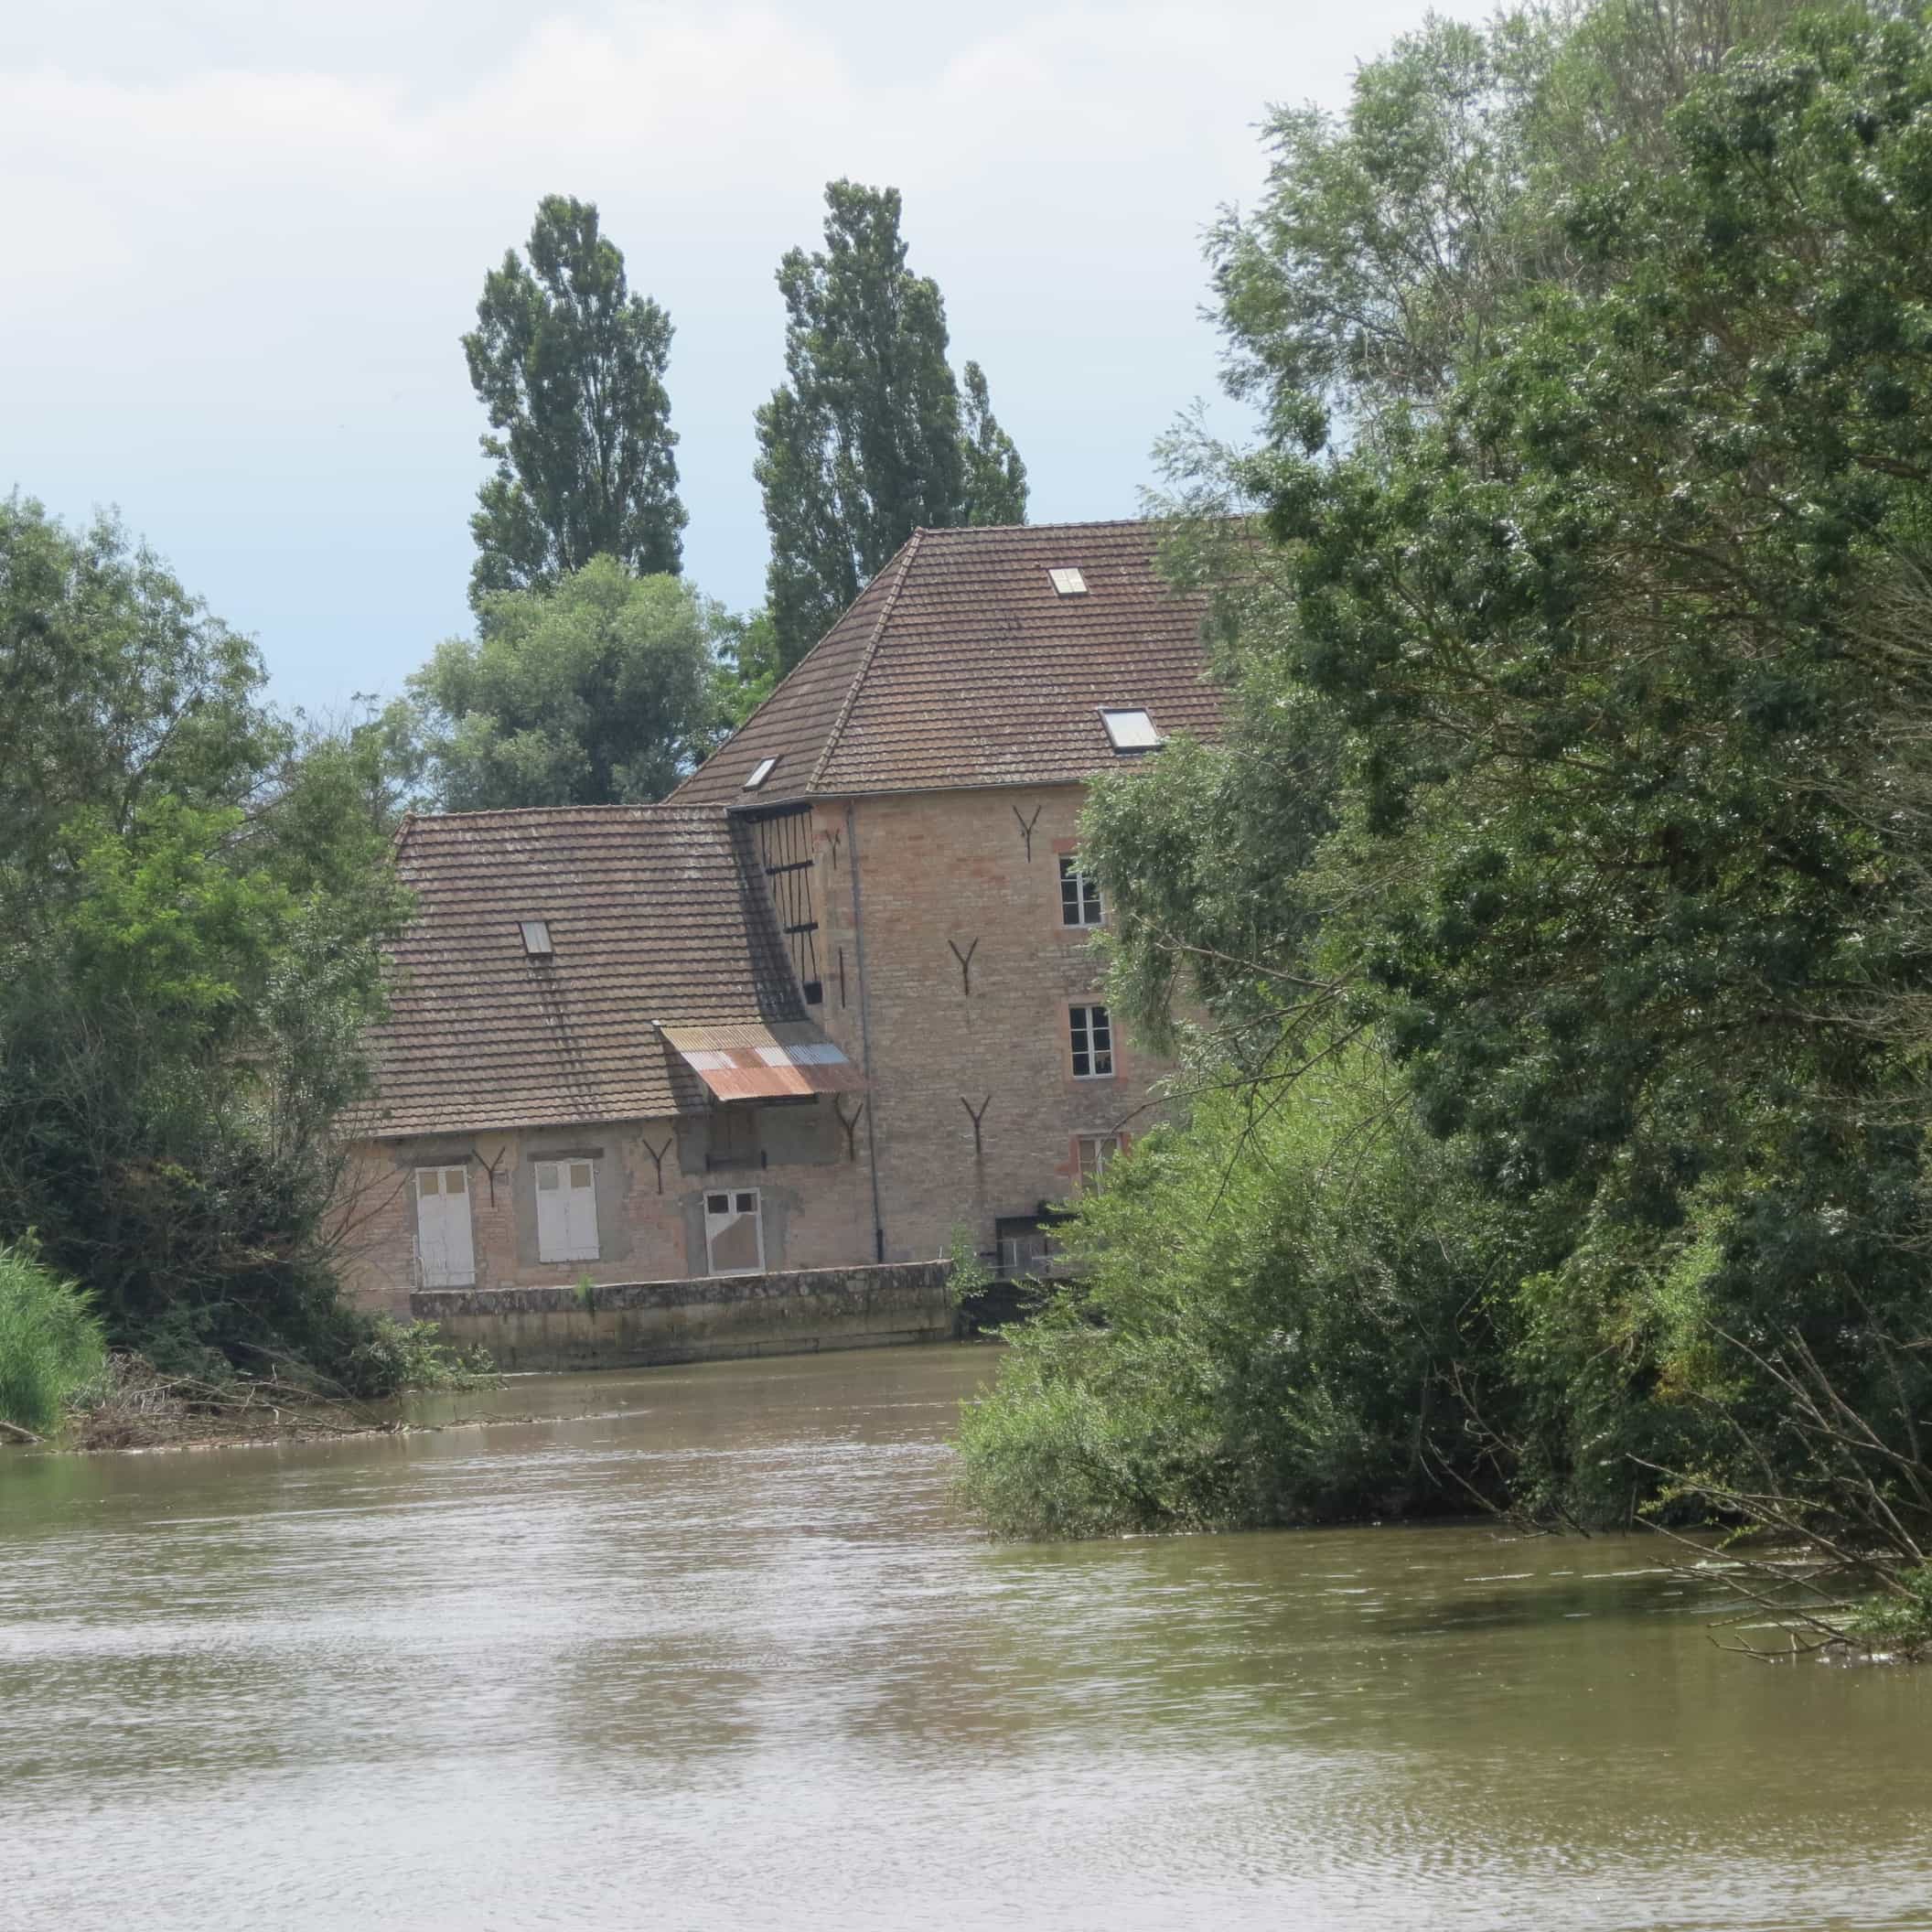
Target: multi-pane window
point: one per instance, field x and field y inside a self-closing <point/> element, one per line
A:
<point x="1097" y="1150"/>
<point x="734" y="1234"/>
<point x="1093" y="1038"/>
<point x="789" y="849"/>
<point x="566" y="1212"/>
<point x="1080" y="894"/>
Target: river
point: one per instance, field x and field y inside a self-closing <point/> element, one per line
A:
<point x="714" y="1648"/>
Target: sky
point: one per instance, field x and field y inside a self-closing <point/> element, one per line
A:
<point x="240" y="240"/>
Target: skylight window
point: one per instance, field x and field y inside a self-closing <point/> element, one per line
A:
<point x="1069" y="583"/>
<point x="536" y="938"/>
<point x="760" y="773"/>
<point x="1129" y="730"/>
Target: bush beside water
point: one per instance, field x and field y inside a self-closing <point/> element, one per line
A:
<point x="394" y="1357"/>
<point x="51" y="1342"/>
<point x="1269" y="1316"/>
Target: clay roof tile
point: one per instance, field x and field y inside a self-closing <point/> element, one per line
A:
<point x="657" y="914"/>
<point x="963" y="664"/>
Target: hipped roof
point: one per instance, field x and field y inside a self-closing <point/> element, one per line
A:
<point x="962" y="665"/>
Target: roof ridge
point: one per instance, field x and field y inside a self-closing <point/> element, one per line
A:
<point x="413" y="818"/>
<point x="908" y="551"/>
<point x="1002" y="529"/>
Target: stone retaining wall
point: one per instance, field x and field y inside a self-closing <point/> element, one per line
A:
<point x="643" y="1323"/>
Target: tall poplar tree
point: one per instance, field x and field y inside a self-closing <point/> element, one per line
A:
<point x="995" y="476"/>
<point x="570" y="365"/>
<point x="864" y="441"/>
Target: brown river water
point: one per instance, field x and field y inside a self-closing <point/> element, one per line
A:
<point x="715" y="1648"/>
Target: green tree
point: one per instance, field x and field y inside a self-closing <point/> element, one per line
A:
<point x="1279" y="1305"/>
<point x="570" y="366"/>
<point x="864" y="441"/>
<point x="995" y="486"/>
<point x="1578" y="755"/>
<point x="1384" y="240"/>
<point x="196" y="893"/>
<point x="1391" y="238"/>
<point x="116" y="686"/>
<point x="596" y="691"/>
<point x="748" y="667"/>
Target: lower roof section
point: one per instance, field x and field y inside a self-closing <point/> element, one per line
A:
<point x="745" y="1060"/>
<point x="543" y="944"/>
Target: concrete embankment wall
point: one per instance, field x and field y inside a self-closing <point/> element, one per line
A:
<point x="643" y="1323"/>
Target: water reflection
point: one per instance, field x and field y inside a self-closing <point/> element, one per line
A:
<point x="713" y="1649"/>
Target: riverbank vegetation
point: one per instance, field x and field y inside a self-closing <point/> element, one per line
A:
<point x="1549" y="940"/>
<point x="50" y="1344"/>
<point x="194" y="895"/>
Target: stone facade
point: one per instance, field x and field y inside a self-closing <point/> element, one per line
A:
<point x="643" y="1323"/>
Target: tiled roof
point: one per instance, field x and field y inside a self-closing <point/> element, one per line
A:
<point x="656" y="913"/>
<point x="962" y="665"/>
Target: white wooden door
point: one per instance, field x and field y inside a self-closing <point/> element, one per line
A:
<point x="566" y="1212"/>
<point x="734" y="1236"/>
<point x="445" y="1247"/>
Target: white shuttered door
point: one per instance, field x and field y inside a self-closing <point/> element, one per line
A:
<point x="566" y="1212"/>
<point x="444" y="1247"/>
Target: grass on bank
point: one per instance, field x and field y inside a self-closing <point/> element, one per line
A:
<point x="57" y="1376"/>
<point x="51" y="1345"/>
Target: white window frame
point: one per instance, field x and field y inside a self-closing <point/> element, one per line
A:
<point x="1084" y="904"/>
<point x="565" y="1189"/>
<point x="762" y="770"/>
<point x="1091" y="1037"/>
<point x="1106" y="1150"/>
<point x="717" y="1220"/>
<point x="444" y="1275"/>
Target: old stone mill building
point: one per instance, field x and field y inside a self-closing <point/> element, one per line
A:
<point x="833" y="999"/>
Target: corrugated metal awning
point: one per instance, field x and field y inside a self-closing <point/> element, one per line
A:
<point x="746" y="1061"/>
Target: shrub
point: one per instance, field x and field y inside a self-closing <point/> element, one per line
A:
<point x="394" y="1357"/>
<point x="1899" y="1621"/>
<point x="1279" y="1305"/>
<point x="970" y="1275"/>
<point x="50" y="1343"/>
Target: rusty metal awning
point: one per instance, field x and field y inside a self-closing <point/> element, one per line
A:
<point x="746" y="1061"/>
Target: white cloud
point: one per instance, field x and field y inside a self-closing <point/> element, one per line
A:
<point x="239" y="253"/>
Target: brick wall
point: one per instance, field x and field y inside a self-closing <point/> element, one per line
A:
<point x="940" y="876"/>
<point x="814" y="1202"/>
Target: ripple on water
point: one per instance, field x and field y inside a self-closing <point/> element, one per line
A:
<point x="716" y="1649"/>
